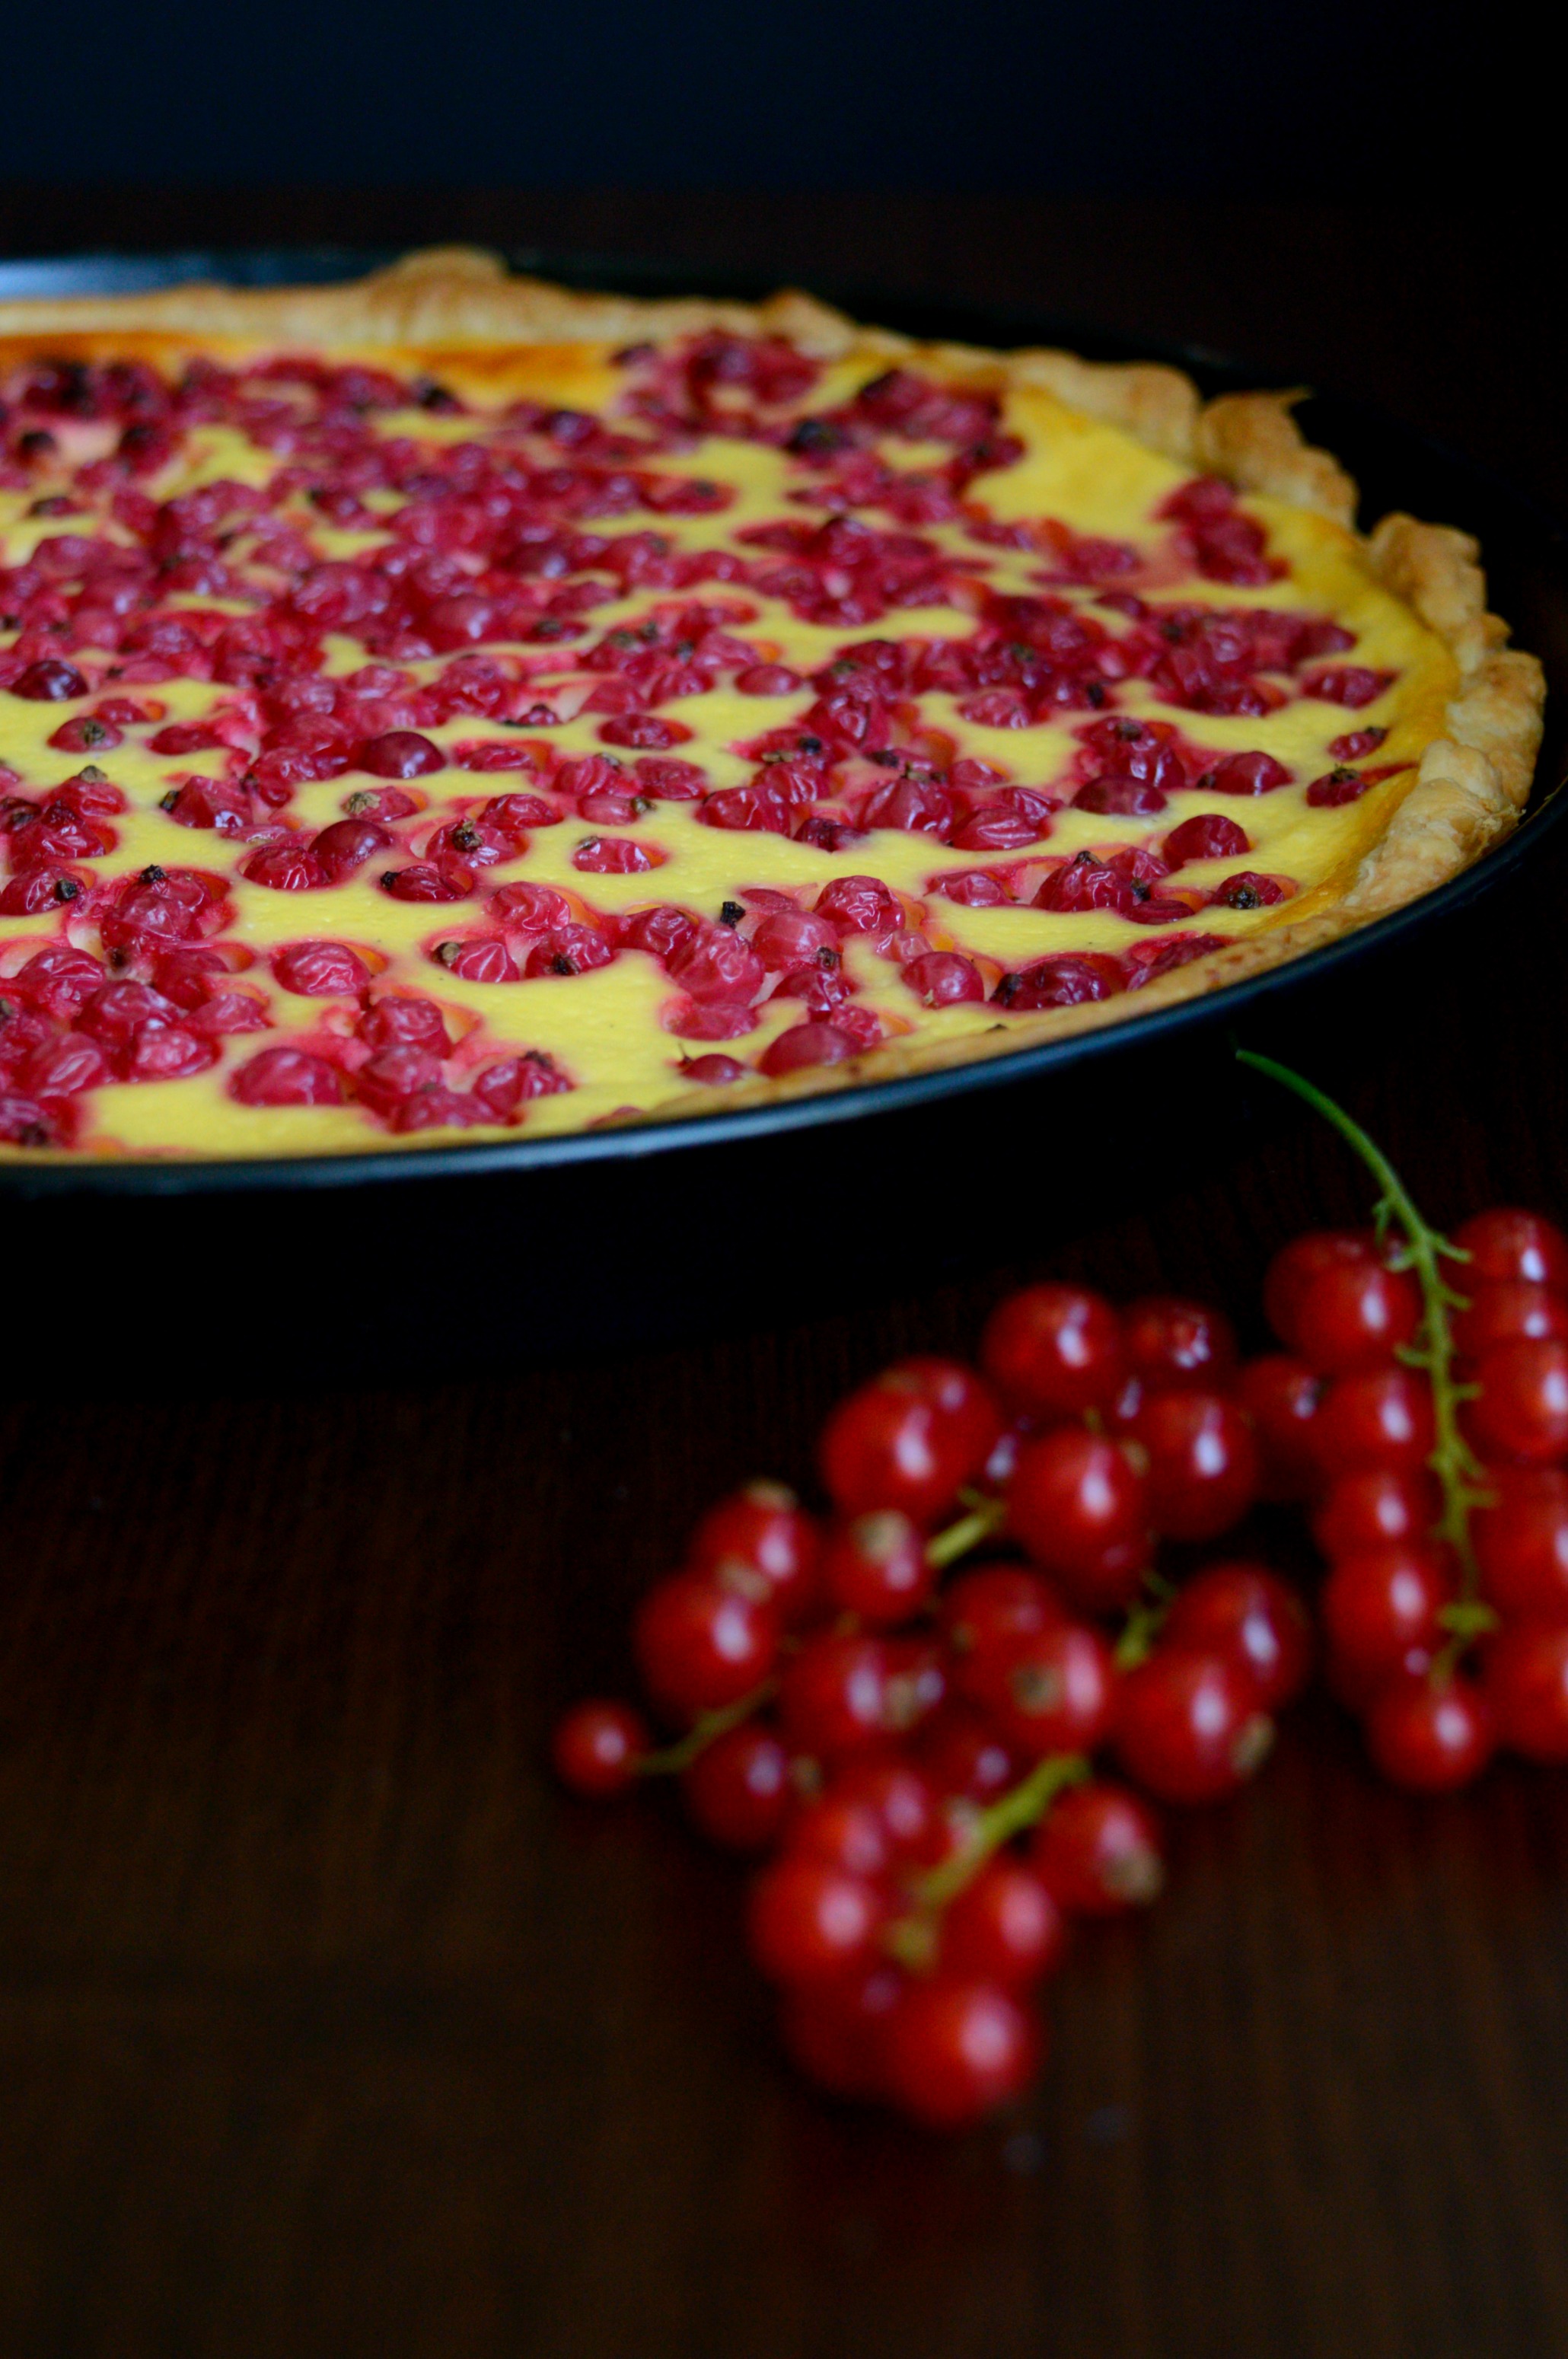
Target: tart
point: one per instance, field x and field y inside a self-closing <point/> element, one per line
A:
<point x="446" y="702"/>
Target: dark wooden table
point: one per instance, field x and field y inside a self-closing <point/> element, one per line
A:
<point x="327" y="2026"/>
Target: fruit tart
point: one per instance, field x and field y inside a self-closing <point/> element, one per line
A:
<point x="446" y="702"/>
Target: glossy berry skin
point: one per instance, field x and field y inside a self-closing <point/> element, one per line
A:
<point x="1099" y="1849"/>
<point x="1187" y="1729"/>
<point x="832" y="1696"/>
<point x="764" y="1525"/>
<point x="1254" y="1620"/>
<point x="1004" y="1926"/>
<point x="738" y="1791"/>
<point x="963" y="1754"/>
<point x="899" y="1796"/>
<point x="1505" y="1242"/>
<point x="1054" y="1351"/>
<point x="1378" y="1606"/>
<point x="987" y="1608"/>
<point x="954" y="2051"/>
<point x="1281" y="1394"/>
<point x="908" y="1440"/>
<point x="1527" y="1689"/>
<point x="1054" y="1692"/>
<point x="1352" y="1313"/>
<point x="1509" y="1312"/>
<point x="875" y="1568"/>
<point x="1521" y="1542"/>
<point x="1078" y="1505"/>
<point x="1302" y="1264"/>
<point x="1172" y="1344"/>
<point x="1202" y="1464"/>
<point x="1378" y="1508"/>
<point x="808" y="1921"/>
<point x="836" y="1831"/>
<point x="1380" y="1416"/>
<point x="1430" y="1736"/>
<point x="701" y="1642"/>
<point x="833" y="2031"/>
<point x="1521" y="1410"/>
<point x="596" y="1747"/>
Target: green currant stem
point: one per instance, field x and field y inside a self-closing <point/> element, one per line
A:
<point x="1424" y="1250"/>
<point x="985" y="1517"/>
<point x="1024" y="1806"/>
<point x="1145" y="1620"/>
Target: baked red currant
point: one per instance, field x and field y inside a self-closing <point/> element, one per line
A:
<point x="1254" y="1619"/>
<point x="953" y="2051"/>
<point x="1054" y="1691"/>
<point x="764" y="1525"/>
<point x="596" y="1747"/>
<point x="1527" y="1689"/>
<point x="1377" y="1508"/>
<point x="702" y="1640"/>
<point x="1187" y="1727"/>
<point x="1054" y="1351"/>
<point x="738" y="1788"/>
<point x="1504" y="1243"/>
<point x="1520" y="1411"/>
<point x="1430" y="1734"/>
<point x="810" y="1922"/>
<point x="875" y="1567"/>
<point x="1376" y="1606"/>
<point x="1509" y="1312"/>
<point x="1171" y="1344"/>
<point x="1003" y="1927"/>
<point x="1379" y="1417"/>
<point x="1202" y="1464"/>
<point x="1521" y="1541"/>
<point x="832" y="1696"/>
<point x="908" y="1440"/>
<point x="1078" y="1505"/>
<point x="1099" y="1849"/>
<point x="1281" y="1394"/>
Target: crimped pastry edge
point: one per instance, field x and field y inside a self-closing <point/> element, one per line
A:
<point x="1472" y="782"/>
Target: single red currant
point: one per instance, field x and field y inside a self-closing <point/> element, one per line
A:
<point x="1281" y="1394"/>
<point x="955" y="2050"/>
<point x="1509" y="1312"/>
<point x="738" y="1788"/>
<point x="1520" y="1411"/>
<point x="833" y="2031"/>
<point x="1380" y="1416"/>
<point x="1254" y="1619"/>
<point x="810" y="1922"/>
<point x="875" y="1567"/>
<point x="990" y="1605"/>
<point x="897" y="1793"/>
<point x="1430" y="1734"/>
<point x="1526" y="1688"/>
<point x="596" y="1748"/>
<point x="1078" y="1505"/>
<point x="1187" y="1727"/>
<point x="832" y="1697"/>
<point x="1003" y="1927"/>
<point x="1300" y="1266"/>
<point x="1354" y="1312"/>
<point x="702" y="1640"/>
<point x="1504" y="1243"/>
<point x="1377" y="1508"/>
<point x="963" y="1754"/>
<point x="909" y="1440"/>
<point x="1521" y="1541"/>
<point x="1099" y="1849"/>
<point x="764" y="1525"/>
<point x="1376" y="1606"/>
<point x="1054" y="1351"/>
<point x="1054" y="1691"/>
<point x="1171" y="1344"/>
<point x="838" y="1831"/>
<point x="1202" y="1464"/>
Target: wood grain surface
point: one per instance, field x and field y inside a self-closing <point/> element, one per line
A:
<point x="327" y="2026"/>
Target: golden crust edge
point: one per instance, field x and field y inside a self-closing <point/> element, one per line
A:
<point x="1470" y="785"/>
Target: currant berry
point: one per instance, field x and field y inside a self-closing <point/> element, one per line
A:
<point x="1254" y="1620"/>
<point x="1171" y="1344"/>
<point x="1187" y="1728"/>
<point x="899" y="1796"/>
<point x="1379" y="1605"/>
<point x="1378" y="1418"/>
<point x="1281" y="1394"/>
<point x="1099" y="1849"/>
<point x="833" y="1696"/>
<point x="596" y="1747"/>
<point x="1521" y="1541"/>
<point x="954" y="2051"/>
<point x="1430" y="1734"/>
<point x="1078" y="1505"/>
<point x="1521" y="1409"/>
<point x="1509" y="1312"/>
<point x="1003" y="1927"/>
<point x="1054" y="1691"/>
<point x="1377" y="1508"/>
<point x="1202" y="1464"/>
<point x="1302" y="1264"/>
<point x="838" y="1831"/>
<point x="701" y="1641"/>
<point x="875" y="1567"/>
<point x="1054" y="1351"/>
<point x="1508" y="1244"/>
<point x="764" y="1525"/>
<point x="909" y="1440"/>
<point x="1527" y="1689"/>
<point x="964" y="1757"/>
<point x="810" y="1922"/>
<point x="834" y="2031"/>
<point x="1351" y="1312"/>
<point x="738" y="1788"/>
<point x="990" y="1605"/>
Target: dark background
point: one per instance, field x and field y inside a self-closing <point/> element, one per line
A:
<point x="325" y="2025"/>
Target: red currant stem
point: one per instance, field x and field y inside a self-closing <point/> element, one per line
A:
<point x="1425" y="1248"/>
<point x="671" y="1760"/>
<point x="1024" y="1806"/>
<point x="945" y="1547"/>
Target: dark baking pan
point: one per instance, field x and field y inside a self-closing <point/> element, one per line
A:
<point x="436" y="1258"/>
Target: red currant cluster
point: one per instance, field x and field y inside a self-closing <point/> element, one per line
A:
<point x="916" y="1751"/>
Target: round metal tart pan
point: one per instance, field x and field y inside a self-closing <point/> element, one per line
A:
<point x="416" y="1262"/>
